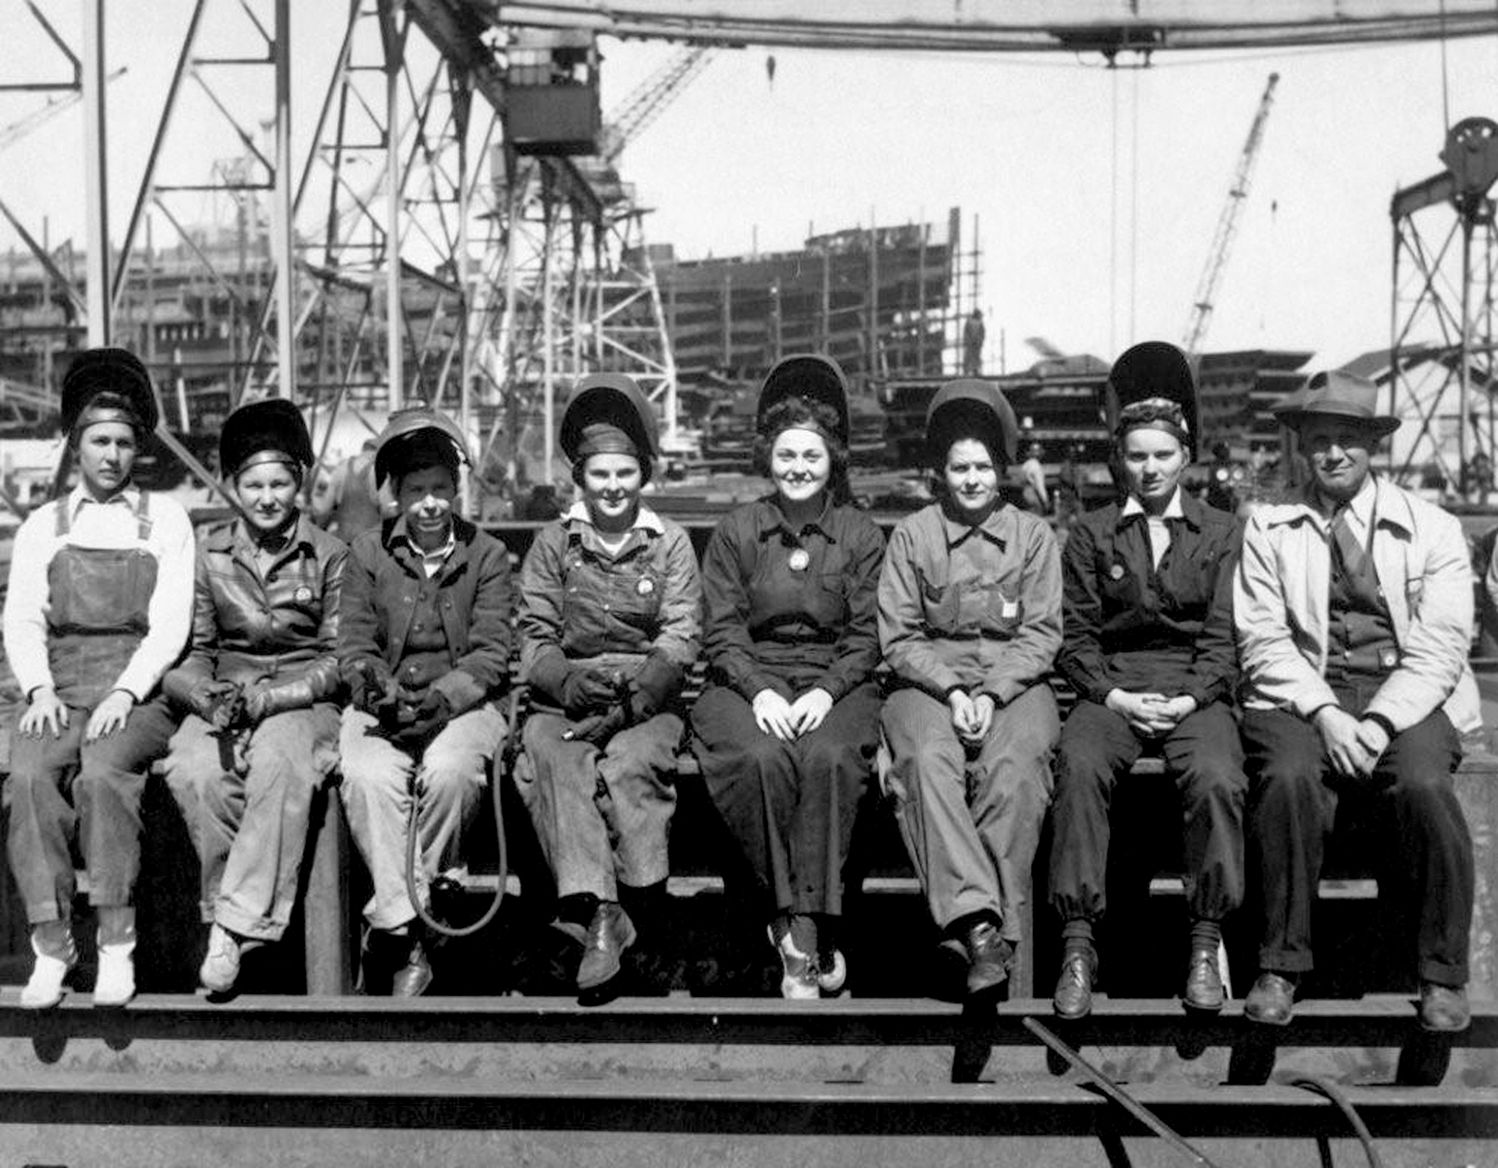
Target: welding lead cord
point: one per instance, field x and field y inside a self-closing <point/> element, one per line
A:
<point x="1117" y="1094"/>
<point x="501" y="766"/>
<point x="1329" y="1090"/>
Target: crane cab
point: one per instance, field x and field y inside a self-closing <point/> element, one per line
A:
<point x="551" y="92"/>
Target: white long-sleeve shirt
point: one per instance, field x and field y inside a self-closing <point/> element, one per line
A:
<point x="112" y="524"/>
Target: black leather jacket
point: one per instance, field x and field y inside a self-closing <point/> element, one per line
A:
<point x="281" y="630"/>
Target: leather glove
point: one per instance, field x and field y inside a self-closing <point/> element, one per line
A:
<point x="264" y="698"/>
<point x="651" y="687"/>
<point x="421" y="723"/>
<point x="371" y="687"/>
<point x="216" y="702"/>
<point x="597" y="728"/>
<point x="590" y="688"/>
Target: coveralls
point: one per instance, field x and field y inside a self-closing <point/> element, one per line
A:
<point x="600" y="789"/>
<point x="247" y="793"/>
<point x="1148" y="624"/>
<point x="976" y="609"/>
<point x="92" y="608"/>
<point x="791" y="610"/>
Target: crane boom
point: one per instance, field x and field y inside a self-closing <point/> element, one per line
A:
<point x="656" y="92"/>
<point x="1227" y="227"/>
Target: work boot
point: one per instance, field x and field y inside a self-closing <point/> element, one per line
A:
<point x="1073" y="997"/>
<point x="1444" y="1009"/>
<point x="115" y="984"/>
<point x="988" y="958"/>
<point x="610" y="933"/>
<point x="795" y="939"/>
<point x="1203" y="989"/>
<point x="56" y="955"/>
<point x="1271" y="1001"/>
<point x="220" y="968"/>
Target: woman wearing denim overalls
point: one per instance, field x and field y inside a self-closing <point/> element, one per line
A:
<point x="259" y="686"/>
<point x="99" y="606"/>
<point x="609" y="620"/>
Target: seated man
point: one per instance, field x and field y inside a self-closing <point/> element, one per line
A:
<point x="424" y="646"/>
<point x="1353" y="609"/>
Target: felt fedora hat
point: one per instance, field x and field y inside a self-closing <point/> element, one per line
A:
<point x="1335" y="393"/>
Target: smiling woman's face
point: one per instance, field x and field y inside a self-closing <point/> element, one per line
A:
<point x="972" y="479"/>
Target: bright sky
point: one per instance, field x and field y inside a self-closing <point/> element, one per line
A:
<point x="1075" y="173"/>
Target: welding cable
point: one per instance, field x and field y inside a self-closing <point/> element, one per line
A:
<point x="503" y="758"/>
<point x="1329" y="1090"/>
<point x="1117" y="1094"/>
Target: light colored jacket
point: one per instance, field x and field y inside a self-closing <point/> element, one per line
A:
<point x="1280" y="598"/>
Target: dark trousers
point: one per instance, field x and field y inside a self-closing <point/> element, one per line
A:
<point x="59" y="786"/>
<point x="789" y="805"/>
<point x="1205" y="759"/>
<point x="1427" y="864"/>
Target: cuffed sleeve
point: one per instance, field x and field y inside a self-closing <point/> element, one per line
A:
<point x="1082" y="661"/>
<point x="907" y="644"/>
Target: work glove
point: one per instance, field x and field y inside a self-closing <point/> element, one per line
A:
<point x="264" y="698"/>
<point x="217" y="702"/>
<point x="417" y="725"/>
<point x="652" y="686"/>
<point x="590" y="688"/>
<point x="371" y="688"/>
<point x="598" y="728"/>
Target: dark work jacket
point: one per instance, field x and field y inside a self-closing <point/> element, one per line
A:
<point x="1130" y="626"/>
<point x="471" y="592"/>
<point x="280" y="629"/>
<point x="766" y="621"/>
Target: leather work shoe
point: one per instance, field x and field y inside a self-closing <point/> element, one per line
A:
<point x="220" y="968"/>
<point x="1271" y="1000"/>
<point x="1444" y="1009"/>
<point x="1203" y="990"/>
<point x="988" y="958"/>
<point x="413" y="978"/>
<point x="610" y="933"/>
<point x="1073" y="997"/>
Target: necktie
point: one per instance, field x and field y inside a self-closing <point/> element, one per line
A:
<point x="1349" y="548"/>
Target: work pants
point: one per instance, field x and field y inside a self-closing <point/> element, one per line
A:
<point x="602" y="812"/>
<point x="64" y="785"/>
<point x="1426" y="863"/>
<point x="1204" y="757"/>
<point x="247" y="799"/>
<point x="971" y="816"/>
<point x="789" y="805"/>
<point x="381" y="781"/>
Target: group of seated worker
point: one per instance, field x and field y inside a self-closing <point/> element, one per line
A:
<point x="1315" y="654"/>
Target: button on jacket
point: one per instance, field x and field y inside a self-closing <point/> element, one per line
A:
<point x="974" y="608"/>
<point x="1135" y="627"/>
<point x="280" y="627"/>
<point x="385" y="583"/>
<point x="812" y="613"/>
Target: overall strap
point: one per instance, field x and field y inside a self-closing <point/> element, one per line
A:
<point x="64" y="520"/>
<point x="143" y="517"/>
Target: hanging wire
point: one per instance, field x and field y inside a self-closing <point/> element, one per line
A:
<point x="1134" y="212"/>
<point x="1445" y="91"/>
<point x="1113" y="227"/>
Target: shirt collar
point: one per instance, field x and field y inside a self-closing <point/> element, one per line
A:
<point x="238" y="535"/>
<point x="770" y="519"/>
<point x="399" y="534"/>
<point x="998" y="528"/>
<point x="1175" y="509"/>
<point x="127" y="496"/>
<point x="645" y="518"/>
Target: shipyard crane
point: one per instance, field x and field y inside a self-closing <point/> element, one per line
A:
<point x="1227" y="227"/>
<point x="651" y="97"/>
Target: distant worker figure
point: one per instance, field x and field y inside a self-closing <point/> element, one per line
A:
<point x="350" y="504"/>
<point x="1353" y="607"/>
<point x="973" y="336"/>
<point x="1032" y="481"/>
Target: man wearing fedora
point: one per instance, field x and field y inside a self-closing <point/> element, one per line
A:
<point x="1353" y="609"/>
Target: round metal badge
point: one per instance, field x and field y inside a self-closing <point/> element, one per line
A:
<point x="303" y="594"/>
<point x="646" y="586"/>
<point x="1117" y="571"/>
<point x="798" y="560"/>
